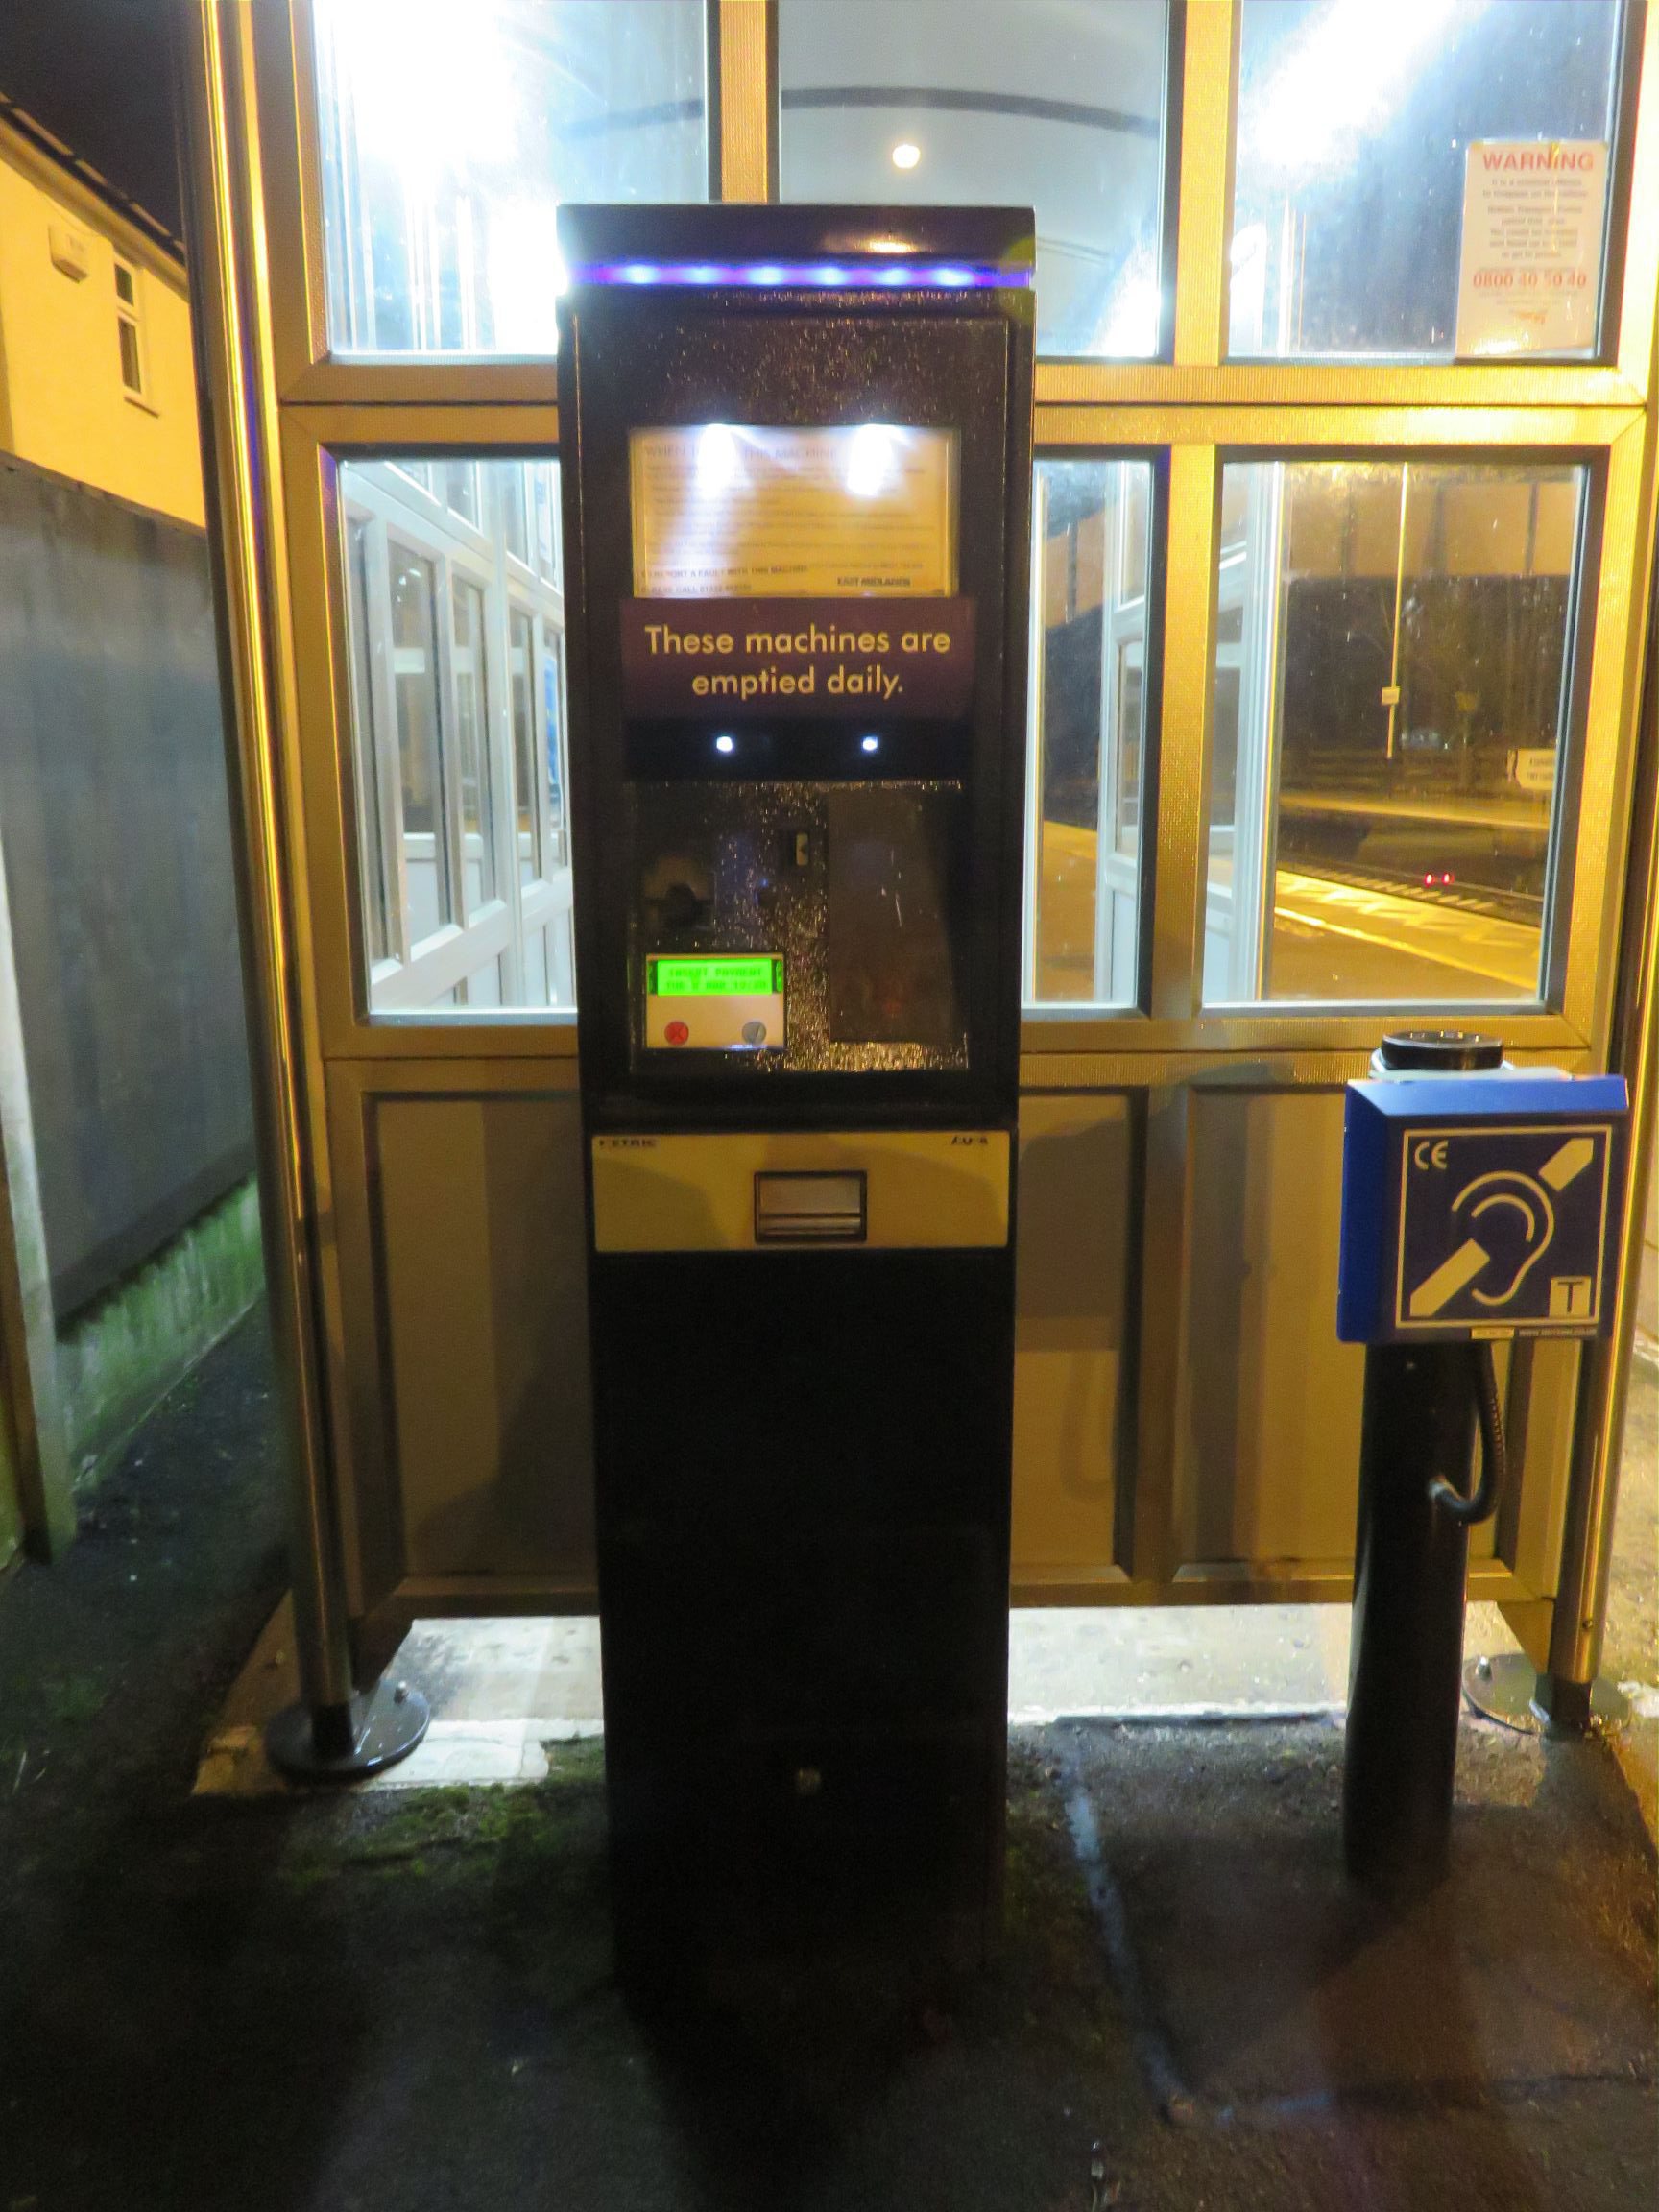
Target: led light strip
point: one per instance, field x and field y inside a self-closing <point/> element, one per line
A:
<point x="818" y="276"/>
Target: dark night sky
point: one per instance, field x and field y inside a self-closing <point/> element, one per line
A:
<point x="99" y="75"/>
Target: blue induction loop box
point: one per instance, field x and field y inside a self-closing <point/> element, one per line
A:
<point x="1480" y="1205"/>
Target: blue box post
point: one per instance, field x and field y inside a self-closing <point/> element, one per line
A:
<point x="1475" y="1209"/>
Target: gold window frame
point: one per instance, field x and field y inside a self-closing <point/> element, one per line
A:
<point x="288" y="410"/>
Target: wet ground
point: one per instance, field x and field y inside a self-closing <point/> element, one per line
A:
<point x="406" y="2001"/>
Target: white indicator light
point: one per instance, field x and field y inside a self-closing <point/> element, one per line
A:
<point x="871" y="460"/>
<point x="906" y="154"/>
<point x="725" y="744"/>
<point x="871" y="744"/>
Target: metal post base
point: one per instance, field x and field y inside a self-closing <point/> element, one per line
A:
<point x="1510" y="1691"/>
<point x="344" y="1742"/>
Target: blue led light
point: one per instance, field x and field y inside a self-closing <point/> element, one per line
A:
<point x="820" y="276"/>
<point x="725" y="744"/>
<point x="870" y="744"/>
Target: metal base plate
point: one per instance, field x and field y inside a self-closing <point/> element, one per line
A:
<point x="1505" y="1690"/>
<point x="387" y="1724"/>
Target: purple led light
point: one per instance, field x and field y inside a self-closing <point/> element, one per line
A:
<point x="828" y="277"/>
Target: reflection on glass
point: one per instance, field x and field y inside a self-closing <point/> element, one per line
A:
<point x="1062" y="108"/>
<point x="1090" y="737"/>
<point x="477" y="859"/>
<point x="1391" y="690"/>
<point x="553" y="713"/>
<point x="1355" y="122"/>
<point x="522" y="674"/>
<point x="456" y="726"/>
<point x="377" y="897"/>
<point x="414" y="686"/>
<point x="451" y="133"/>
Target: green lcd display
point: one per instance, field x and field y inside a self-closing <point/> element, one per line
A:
<point x="757" y="978"/>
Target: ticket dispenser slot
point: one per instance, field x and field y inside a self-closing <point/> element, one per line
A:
<point x="796" y="447"/>
<point x="805" y="1208"/>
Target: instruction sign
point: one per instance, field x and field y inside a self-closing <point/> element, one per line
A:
<point x="906" y="660"/>
<point x="1529" y="281"/>
<point x="851" y="510"/>
<point x="1480" y="1207"/>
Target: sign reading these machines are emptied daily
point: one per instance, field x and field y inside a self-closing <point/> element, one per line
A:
<point x="909" y="659"/>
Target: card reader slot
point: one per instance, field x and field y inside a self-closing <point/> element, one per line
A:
<point x="793" y="1207"/>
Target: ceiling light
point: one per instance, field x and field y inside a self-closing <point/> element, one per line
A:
<point x="906" y="154"/>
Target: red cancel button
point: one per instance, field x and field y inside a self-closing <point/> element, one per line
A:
<point x="677" y="1033"/>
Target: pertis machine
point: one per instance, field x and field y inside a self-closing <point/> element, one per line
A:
<point x="797" y="455"/>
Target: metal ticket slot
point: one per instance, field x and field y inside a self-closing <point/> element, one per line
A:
<point x="797" y="481"/>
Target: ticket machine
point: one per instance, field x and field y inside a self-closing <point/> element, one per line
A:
<point x="797" y="467"/>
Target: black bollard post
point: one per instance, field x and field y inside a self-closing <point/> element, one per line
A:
<point x="1404" y="1689"/>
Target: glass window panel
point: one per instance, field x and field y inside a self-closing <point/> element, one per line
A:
<point x="377" y="900"/>
<point x="132" y="367"/>
<point x="460" y="488"/>
<point x="456" y="710"/>
<point x="471" y="745"/>
<point x="1090" y="750"/>
<point x="553" y="708"/>
<point x="451" y="133"/>
<point x="1391" y="682"/>
<point x="526" y="784"/>
<point x="1356" y="120"/>
<point x="939" y="103"/>
<point x="414" y="678"/>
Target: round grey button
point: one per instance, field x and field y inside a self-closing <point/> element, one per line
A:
<point x="754" y="1032"/>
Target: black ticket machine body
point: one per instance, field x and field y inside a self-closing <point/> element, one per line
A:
<point x="797" y="467"/>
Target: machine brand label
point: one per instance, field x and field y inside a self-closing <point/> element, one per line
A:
<point x="893" y="660"/>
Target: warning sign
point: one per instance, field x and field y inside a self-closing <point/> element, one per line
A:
<point x="1530" y="275"/>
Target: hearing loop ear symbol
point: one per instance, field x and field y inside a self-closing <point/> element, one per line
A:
<point x="1514" y="1205"/>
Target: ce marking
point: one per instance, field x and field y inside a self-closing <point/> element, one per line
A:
<point x="1428" y="1152"/>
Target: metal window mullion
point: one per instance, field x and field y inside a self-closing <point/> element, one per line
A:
<point x="1204" y="217"/>
<point x="1183" y="782"/>
<point x="1639" y="288"/>
<point x="1613" y="599"/>
<point x="744" y="102"/>
<point x="1033" y="848"/>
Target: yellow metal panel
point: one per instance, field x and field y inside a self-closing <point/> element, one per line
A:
<point x="928" y="1188"/>
<point x="1205" y="215"/>
<point x="1071" y="1328"/>
<point x="747" y="101"/>
<point x="485" y="1320"/>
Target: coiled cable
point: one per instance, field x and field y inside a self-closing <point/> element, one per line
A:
<point x="1483" y="1503"/>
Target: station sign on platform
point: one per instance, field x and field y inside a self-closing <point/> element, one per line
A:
<point x="1485" y="1205"/>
